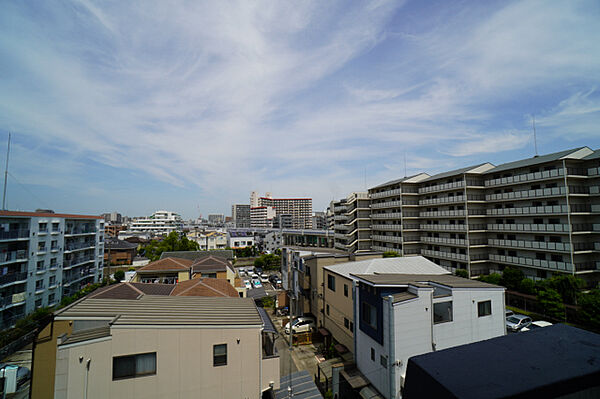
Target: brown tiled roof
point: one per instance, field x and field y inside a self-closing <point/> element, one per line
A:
<point x="131" y="290"/>
<point x="210" y="263"/>
<point x="205" y="287"/>
<point x="167" y="264"/>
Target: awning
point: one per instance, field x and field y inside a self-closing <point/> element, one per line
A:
<point x="268" y="324"/>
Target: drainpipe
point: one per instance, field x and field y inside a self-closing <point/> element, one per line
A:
<point x="391" y="347"/>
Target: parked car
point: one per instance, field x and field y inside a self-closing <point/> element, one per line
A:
<point x="23" y="374"/>
<point x="264" y="278"/>
<point x="516" y="322"/>
<point x="256" y="283"/>
<point x="247" y="284"/>
<point x="509" y="312"/>
<point x="536" y="325"/>
<point x="255" y="276"/>
<point x="302" y="324"/>
<point x="257" y="270"/>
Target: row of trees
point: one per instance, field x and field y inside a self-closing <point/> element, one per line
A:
<point x="553" y="294"/>
<point x="172" y="242"/>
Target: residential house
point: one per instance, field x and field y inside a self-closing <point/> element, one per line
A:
<point x="213" y="267"/>
<point x="403" y="315"/>
<point x="119" y="252"/>
<point x="167" y="271"/>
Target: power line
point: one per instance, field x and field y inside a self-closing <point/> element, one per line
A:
<point x="29" y="191"/>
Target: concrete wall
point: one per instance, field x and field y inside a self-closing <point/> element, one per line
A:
<point x="184" y="365"/>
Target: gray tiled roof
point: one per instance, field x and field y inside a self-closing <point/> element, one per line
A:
<point x="86" y="335"/>
<point x="168" y="310"/>
<point x="401" y="265"/>
<point x="389" y="183"/>
<point x="453" y="172"/>
<point x="534" y="160"/>
<point x="594" y="155"/>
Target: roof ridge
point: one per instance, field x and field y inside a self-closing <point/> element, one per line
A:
<point x="187" y="289"/>
<point x="177" y="261"/>
<point x="135" y="288"/>
<point x="110" y="288"/>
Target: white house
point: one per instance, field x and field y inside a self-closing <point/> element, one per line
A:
<point x="402" y="315"/>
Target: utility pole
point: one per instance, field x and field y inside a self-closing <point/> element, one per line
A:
<point x="6" y="174"/>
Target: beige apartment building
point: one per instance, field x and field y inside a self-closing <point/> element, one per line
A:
<point x="264" y="209"/>
<point x="352" y="223"/>
<point x="156" y="347"/>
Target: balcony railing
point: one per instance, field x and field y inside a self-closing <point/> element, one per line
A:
<point x="79" y="230"/>
<point x="443" y="240"/>
<point x="530" y="227"/>
<point x="14" y="234"/>
<point x="13" y="256"/>
<point x="516" y="195"/>
<point x="388" y="193"/>
<point x="388" y="204"/>
<point x="527" y="177"/>
<point x="445" y="255"/>
<point x="78" y="260"/>
<point x="530" y="210"/>
<point x="387" y="238"/>
<point x="457" y="212"/>
<point x="442" y="187"/>
<point x="541" y="263"/>
<point x="392" y="215"/>
<point x="13" y="277"/>
<point x="77" y="246"/>
<point x="387" y="227"/>
<point x="533" y="245"/>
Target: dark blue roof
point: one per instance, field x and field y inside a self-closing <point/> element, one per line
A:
<point x="543" y="363"/>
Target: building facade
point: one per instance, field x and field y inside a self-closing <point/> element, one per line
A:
<point x="240" y="214"/>
<point x="160" y="223"/>
<point x="300" y="210"/>
<point x="540" y="215"/>
<point x="352" y="223"/>
<point x="44" y="257"/>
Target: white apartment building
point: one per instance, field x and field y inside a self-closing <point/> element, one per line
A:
<point x="160" y="223"/>
<point x="44" y="257"/>
<point x="402" y="315"/>
<point x="352" y="223"/>
<point x="262" y="216"/>
<point x="238" y="239"/>
<point x="540" y="214"/>
<point x="300" y="210"/>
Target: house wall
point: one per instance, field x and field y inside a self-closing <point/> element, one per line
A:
<point x="340" y="308"/>
<point x="184" y="365"/>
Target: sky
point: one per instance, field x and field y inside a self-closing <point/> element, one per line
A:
<point x="189" y="106"/>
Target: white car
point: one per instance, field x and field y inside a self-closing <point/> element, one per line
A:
<point x="264" y="278"/>
<point x="256" y="283"/>
<point x="302" y="324"/>
<point x="247" y="284"/>
<point x="255" y="276"/>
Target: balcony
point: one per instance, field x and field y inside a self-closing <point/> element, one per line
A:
<point x="69" y="263"/>
<point x="388" y="204"/>
<point x="388" y="193"/>
<point x="527" y="177"/>
<point x="384" y="249"/>
<point x="387" y="227"/>
<point x="13" y="256"/>
<point x="532" y="245"/>
<point x="530" y="262"/>
<point x="444" y="241"/>
<point x="13" y="300"/>
<point x="339" y="236"/>
<point x="445" y="255"/>
<point x="526" y="194"/>
<point x="530" y="227"/>
<point x="79" y="246"/>
<point x="530" y="210"/>
<point x="442" y="187"/>
<point x="444" y="227"/>
<point x="392" y="215"/>
<point x="340" y="217"/>
<point x="14" y="235"/>
<point x="341" y="208"/>
<point x="443" y="200"/>
<point x="387" y="238"/>
<point x="79" y="231"/>
<point x="448" y="213"/>
<point x="13" y="278"/>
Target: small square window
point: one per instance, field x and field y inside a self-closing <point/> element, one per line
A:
<point x="372" y="354"/>
<point x="346" y="323"/>
<point x="220" y="355"/>
<point x="484" y="308"/>
<point x="383" y="361"/>
<point x="331" y="282"/>
<point x="327" y="309"/>
<point x="346" y="290"/>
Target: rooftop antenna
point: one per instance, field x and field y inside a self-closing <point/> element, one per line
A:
<point x="534" y="136"/>
<point x="6" y="174"/>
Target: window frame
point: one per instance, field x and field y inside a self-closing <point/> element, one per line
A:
<point x="346" y="290"/>
<point x="451" y="313"/>
<point x="134" y="359"/>
<point x="331" y="282"/>
<point x="487" y="310"/>
<point x="220" y="363"/>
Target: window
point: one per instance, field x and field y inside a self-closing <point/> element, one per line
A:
<point x="369" y="314"/>
<point x="50" y="298"/>
<point x="40" y="265"/>
<point x="41" y="246"/>
<point x="54" y="226"/>
<point x="372" y="354"/>
<point x="327" y="310"/>
<point x="442" y="312"/>
<point x="39" y="284"/>
<point x="38" y="303"/>
<point x="484" y="308"/>
<point x="383" y="361"/>
<point x="346" y="290"/>
<point x="331" y="282"/>
<point x="351" y="326"/>
<point x="220" y="355"/>
<point x="54" y="244"/>
<point x="43" y="227"/>
<point x="53" y="262"/>
<point x="132" y="366"/>
<point x="52" y="281"/>
<point x="346" y="323"/>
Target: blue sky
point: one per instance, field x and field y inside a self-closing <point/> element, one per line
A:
<point x="189" y="106"/>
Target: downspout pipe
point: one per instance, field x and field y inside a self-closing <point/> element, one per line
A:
<point x="391" y="360"/>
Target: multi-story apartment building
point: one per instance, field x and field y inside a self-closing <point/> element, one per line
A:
<point x="44" y="257"/>
<point x="240" y="213"/>
<point x="216" y="219"/>
<point x="262" y="216"/>
<point x="352" y="223"/>
<point x="160" y="223"/>
<point x="112" y="218"/>
<point x="300" y="209"/>
<point x="541" y="215"/>
<point x="319" y="221"/>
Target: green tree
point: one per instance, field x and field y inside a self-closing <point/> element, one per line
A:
<point x="268" y="261"/>
<point x="590" y="309"/>
<point x="551" y="303"/>
<point x="391" y="254"/>
<point x="511" y="278"/>
<point x="493" y="278"/>
<point x="119" y="276"/>
<point x="461" y="273"/>
<point x="568" y="286"/>
<point x="527" y="286"/>
<point x="172" y="242"/>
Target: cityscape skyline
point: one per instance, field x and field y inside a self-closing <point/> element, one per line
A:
<point x="190" y="108"/>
